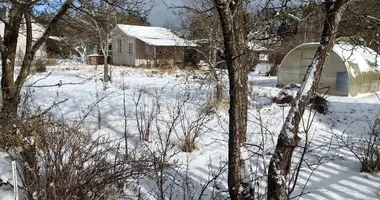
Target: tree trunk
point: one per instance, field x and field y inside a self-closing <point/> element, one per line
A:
<point x="106" y="76"/>
<point x="10" y="88"/>
<point x="219" y="92"/>
<point x="8" y="58"/>
<point x="103" y="36"/>
<point x="230" y="14"/>
<point x="212" y="55"/>
<point x="288" y="139"/>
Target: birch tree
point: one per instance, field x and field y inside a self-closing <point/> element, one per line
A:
<point x="101" y="18"/>
<point x="206" y="32"/>
<point x="235" y="36"/>
<point x="288" y="139"/>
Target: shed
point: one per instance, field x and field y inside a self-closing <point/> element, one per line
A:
<point x="349" y="70"/>
<point x="259" y="51"/>
<point x="145" y="45"/>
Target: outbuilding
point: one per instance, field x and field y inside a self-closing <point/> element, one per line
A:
<point x="350" y="69"/>
<point x="145" y="45"/>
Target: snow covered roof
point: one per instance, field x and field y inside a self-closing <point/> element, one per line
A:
<point x="255" y="46"/>
<point x="350" y="70"/>
<point x="357" y="58"/>
<point x="362" y="57"/>
<point x="56" y="38"/>
<point x="156" y="36"/>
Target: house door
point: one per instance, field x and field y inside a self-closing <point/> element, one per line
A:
<point x="131" y="53"/>
<point x="341" y="83"/>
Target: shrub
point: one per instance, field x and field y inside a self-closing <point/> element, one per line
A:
<point x="58" y="161"/>
<point x="51" y="62"/>
<point x="272" y="71"/>
<point x="367" y="149"/>
<point x="289" y="92"/>
<point x="40" y="65"/>
<point x="191" y="128"/>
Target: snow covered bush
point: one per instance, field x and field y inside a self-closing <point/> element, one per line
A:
<point x="40" y="65"/>
<point x="289" y="92"/>
<point x="58" y="161"/>
<point x="147" y="108"/>
<point x="191" y="128"/>
<point x="367" y="149"/>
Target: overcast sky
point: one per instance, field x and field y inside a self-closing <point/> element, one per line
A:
<point x="161" y="14"/>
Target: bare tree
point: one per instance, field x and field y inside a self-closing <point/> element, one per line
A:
<point x="231" y="14"/>
<point x="205" y="31"/>
<point x="288" y="139"/>
<point x="23" y="11"/>
<point x="75" y="35"/>
<point x="102" y="16"/>
<point x="19" y="11"/>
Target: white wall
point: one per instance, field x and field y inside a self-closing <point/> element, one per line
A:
<point x="37" y="32"/>
<point x="123" y="57"/>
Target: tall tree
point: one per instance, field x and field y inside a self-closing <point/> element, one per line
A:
<point x="231" y="15"/>
<point x="206" y="32"/>
<point x="361" y="23"/>
<point x="19" y="11"/>
<point x="288" y="139"/>
<point x="101" y="17"/>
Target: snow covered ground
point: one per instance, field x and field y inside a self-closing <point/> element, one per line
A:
<point x="330" y="171"/>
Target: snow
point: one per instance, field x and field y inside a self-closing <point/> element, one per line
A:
<point x="331" y="172"/>
<point x="56" y="38"/>
<point x="262" y="68"/>
<point x="6" y="192"/>
<point x="357" y="58"/>
<point x="256" y="46"/>
<point x="365" y="58"/>
<point x="156" y="36"/>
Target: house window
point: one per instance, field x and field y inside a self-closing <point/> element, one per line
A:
<point x="130" y="48"/>
<point x="118" y="45"/>
<point x="263" y="56"/>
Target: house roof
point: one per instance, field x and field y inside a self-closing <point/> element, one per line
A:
<point x="256" y="46"/>
<point x="156" y="36"/>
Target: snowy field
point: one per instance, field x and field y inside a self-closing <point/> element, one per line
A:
<point x="330" y="170"/>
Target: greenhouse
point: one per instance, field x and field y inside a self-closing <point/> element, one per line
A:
<point x="349" y="71"/>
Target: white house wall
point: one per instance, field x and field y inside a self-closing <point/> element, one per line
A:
<point x="37" y="32"/>
<point x="123" y="57"/>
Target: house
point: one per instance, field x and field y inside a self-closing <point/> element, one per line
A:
<point x="145" y="45"/>
<point x="37" y="32"/>
<point x="259" y="51"/>
<point x="349" y="70"/>
<point x="94" y="54"/>
<point x="260" y="57"/>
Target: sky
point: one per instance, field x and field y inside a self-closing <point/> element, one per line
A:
<point x="161" y="15"/>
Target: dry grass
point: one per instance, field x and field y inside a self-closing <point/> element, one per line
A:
<point x="214" y="105"/>
<point x="162" y="71"/>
